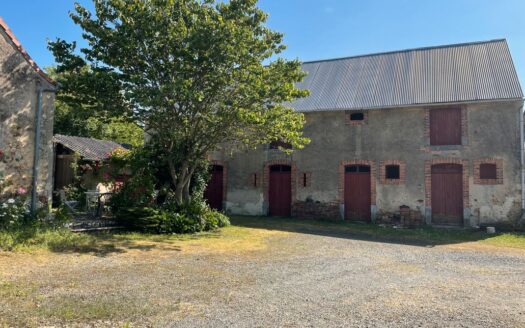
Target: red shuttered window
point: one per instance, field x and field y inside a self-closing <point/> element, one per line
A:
<point x="445" y="126"/>
<point x="488" y="171"/>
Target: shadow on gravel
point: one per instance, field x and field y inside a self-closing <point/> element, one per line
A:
<point x="425" y="236"/>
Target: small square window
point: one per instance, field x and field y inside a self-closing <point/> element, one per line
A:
<point x="392" y="172"/>
<point x="357" y="116"/>
<point x="488" y="171"/>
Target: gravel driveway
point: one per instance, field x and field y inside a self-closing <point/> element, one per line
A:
<point x="284" y="279"/>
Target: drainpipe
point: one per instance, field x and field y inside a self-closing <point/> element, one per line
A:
<point x="38" y="131"/>
<point x="522" y="157"/>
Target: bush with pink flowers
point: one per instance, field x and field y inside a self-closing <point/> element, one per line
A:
<point x="14" y="211"/>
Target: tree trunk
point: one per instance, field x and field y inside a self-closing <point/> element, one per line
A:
<point x="182" y="181"/>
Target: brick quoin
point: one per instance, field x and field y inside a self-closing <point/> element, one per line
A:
<point x="428" y="178"/>
<point x="342" y="165"/>
<point x="382" y="172"/>
<point x="266" y="176"/>
<point x="489" y="160"/>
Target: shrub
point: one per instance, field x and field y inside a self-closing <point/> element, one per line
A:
<point x="76" y="191"/>
<point x="60" y="217"/>
<point x="145" y="201"/>
<point x="193" y="217"/>
<point x="13" y="213"/>
<point x="136" y="192"/>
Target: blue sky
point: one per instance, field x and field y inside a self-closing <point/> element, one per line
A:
<point x="317" y="29"/>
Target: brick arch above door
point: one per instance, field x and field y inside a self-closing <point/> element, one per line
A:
<point x="428" y="178"/>
<point x="343" y="164"/>
<point x="266" y="176"/>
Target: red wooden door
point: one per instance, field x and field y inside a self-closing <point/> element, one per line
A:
<point x="214" y="191"/>
<point x="447" y="194"/>
<point x="357" y="193"/>
<point x="280" y="190"/>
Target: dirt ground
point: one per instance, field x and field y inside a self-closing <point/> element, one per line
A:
<point x="247" y="276"/>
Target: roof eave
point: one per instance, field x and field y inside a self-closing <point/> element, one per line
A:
<point x="319" y="110"/>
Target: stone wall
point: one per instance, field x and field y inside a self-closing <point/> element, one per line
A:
<point x="19" y="83"/>
<point x="491" y="134"/>
<point x="316" y="210"/>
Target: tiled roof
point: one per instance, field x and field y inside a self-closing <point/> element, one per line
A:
<point x="88" y="148"/>
<point x="467" y="72"/>
<point x="18" y="46"/>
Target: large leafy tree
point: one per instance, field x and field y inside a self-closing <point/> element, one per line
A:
<point x="90" y="101"/>
<point x="201" y="74"/>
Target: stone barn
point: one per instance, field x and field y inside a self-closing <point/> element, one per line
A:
<point x="430" y="135"/>
<point x="26" y="121"/>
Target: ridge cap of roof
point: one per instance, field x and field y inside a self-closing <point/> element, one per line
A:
<point x="23" y="52"/>
<point x="58" y="135"/>
<point x="463" y="44"/>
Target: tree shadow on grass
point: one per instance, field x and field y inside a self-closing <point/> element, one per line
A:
<point x="422" y="236"/>
<point x="106" y="243"/>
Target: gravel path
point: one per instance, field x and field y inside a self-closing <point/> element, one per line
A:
<point x="292" y="280"/>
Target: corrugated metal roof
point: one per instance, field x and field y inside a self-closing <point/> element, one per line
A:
<point x="464" y="72"/>
<point x="88" y="148"/>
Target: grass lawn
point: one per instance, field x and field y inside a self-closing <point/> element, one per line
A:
<point x="418" y="236"/>
<point x="66" y="241"/>
<point x="59" y="278"/>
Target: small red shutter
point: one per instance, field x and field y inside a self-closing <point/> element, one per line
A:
<point x="445" y="126"/>
<point x="488" y="171"/>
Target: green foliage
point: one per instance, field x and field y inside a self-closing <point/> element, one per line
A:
<point x="89" y="102"/>
<point x="18" y="226"/>
<point x="121" y="131"/>
<point x="140" y="165"/>
<point x="13" y="213"/>
<point x="76" y="191"/>
<point x="61" y="217"/>
<point x="200" y="75"/>
<point x="194" y="217"/>
<point x="43" y="237"/>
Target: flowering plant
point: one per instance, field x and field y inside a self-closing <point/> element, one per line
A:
<point x="13" y="212"/>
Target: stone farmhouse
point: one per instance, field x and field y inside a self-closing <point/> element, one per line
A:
<point x="430" y="135"/>
<point x="26" y="121"/>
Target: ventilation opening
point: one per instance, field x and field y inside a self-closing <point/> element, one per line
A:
<point x="280" y="168"/>
<point x="392" y="172"/>
<point x="488" y="171"/>
<point x="357" y="116"/>
<point x="357" y="168"/>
